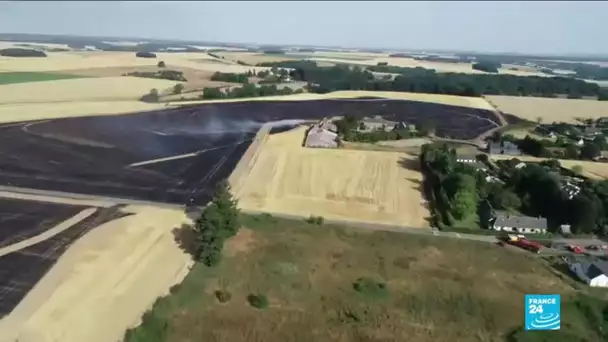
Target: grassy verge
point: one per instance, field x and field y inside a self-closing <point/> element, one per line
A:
<point x="332" y="283"/>
<point x="23" y="77"/>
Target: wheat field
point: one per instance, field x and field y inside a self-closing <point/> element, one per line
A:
<point x="81" y="89"/>
<point x="349" y="185"/>
<point x="549" y="110"/>
<point x="71" y="60"/>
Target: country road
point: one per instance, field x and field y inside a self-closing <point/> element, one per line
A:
<point x="452" y="235"/>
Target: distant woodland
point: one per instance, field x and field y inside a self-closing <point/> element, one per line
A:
<point x="421" y="80"/>
<point x="19" y="52"/>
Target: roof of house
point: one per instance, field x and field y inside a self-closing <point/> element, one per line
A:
<point x="466" y="157"/>
<point x="594" y="269"/>
<point x="507" y="220"/>
<point x="592" y="130"/>
<point x="378" y="120"/>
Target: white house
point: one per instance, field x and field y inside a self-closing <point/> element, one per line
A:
<point x="520" y="224"/>
<point x="594" y="274"/>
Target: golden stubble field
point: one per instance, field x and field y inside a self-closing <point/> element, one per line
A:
<point x="461" y="101"/>
<point x="81" y="89"/>
<point x="549" y="110"/>
<point x="348" y="185"/>
<point x="104" y="282"/>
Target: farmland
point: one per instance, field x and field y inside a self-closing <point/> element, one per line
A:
<point x="81" y="89"/>
<point x="132" y="247"/>
<point x="24" y="77"/>
<point x="433" y="291"/>
<point x="346" y="185"/>
<point x="550" y="110"/>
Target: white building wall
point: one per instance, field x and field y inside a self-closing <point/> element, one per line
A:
<point x="599" y="281"/>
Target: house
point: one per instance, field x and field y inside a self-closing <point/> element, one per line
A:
<point x="321" y="135"/>
<point x="403" y="125"/>
<point x="520" y="165"/>
<point x="504" y="147"/>
<point x="594" y="274"/>
<point x="571" y="189"/>
<point x="376" y="123"/>
<point x="520" y="224"/>
<point x="592" y="131"/>
<point x="466" y="158"/>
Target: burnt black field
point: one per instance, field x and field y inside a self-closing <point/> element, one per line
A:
<point x="21" y="270"/>
<point x="21" y="219"/>
<point x="91" y="155"/>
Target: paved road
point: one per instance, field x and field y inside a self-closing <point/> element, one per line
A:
<point x="453" y="235"/>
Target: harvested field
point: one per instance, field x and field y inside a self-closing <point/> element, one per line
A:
<point x="24" y="77"/>
<point x="451" y="100"/>
<point x="103" y="283"/>
<point x="550" y="110"/>
<point x="345" y="185"/>
<point x="437" y="290"/>
<point x="196" y="79"/>
<point x="253" y="58"/>
<point x="83" y="89"/>
<point x="59" y="61"/>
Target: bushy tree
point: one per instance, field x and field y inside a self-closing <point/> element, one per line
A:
<point x="161" y="64"/>
<point x="178" y="88"/>
<point x="218" y="221"/>
<point x="590" y="150"/>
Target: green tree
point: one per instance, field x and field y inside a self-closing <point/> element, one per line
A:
<point x="600" y="141"/>
<point x="152" y="96"/>
<point x="590" y="150"/>
<point x="212" y="93"/>
<point x="571" y="152"/>
<point x="218" y="221"/>
<point x="161" y="64"/>
<point x="178" y="88"/>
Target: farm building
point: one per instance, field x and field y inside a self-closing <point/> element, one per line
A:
<point x="321" y="135"/>
<point x="592" y="273"/>
<point x="592" y="131"/>
<point x="376" y="123"/>
<point x="519" y="224"/>
<point x="471" y="160"/>
<point x="505" y="147"/>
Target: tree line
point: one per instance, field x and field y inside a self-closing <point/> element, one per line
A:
<point x="19" y="52"/>
<point x="230" y="77"/>
<point x="460" y="194"/>
<point x="247" y="90"/>
<point x="421" y="80"/>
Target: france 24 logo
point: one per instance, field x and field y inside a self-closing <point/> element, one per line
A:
<point x="542" y="312"/>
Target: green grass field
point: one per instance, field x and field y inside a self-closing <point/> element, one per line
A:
<point x="22" y="77"/>
<point x="328" y="283"/>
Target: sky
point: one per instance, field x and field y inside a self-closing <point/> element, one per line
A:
<point x="524" y="27"/>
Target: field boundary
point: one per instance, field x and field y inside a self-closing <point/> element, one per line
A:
<point x="248" y="159"/>
<point x="62" y="226"/>
<point x="45" y="194"/>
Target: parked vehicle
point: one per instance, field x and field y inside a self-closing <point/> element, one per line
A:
<point x="575" y="249"/>
<point x="521" y="242"/>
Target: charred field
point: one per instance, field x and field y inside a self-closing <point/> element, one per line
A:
<point x="176" y="154"/>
